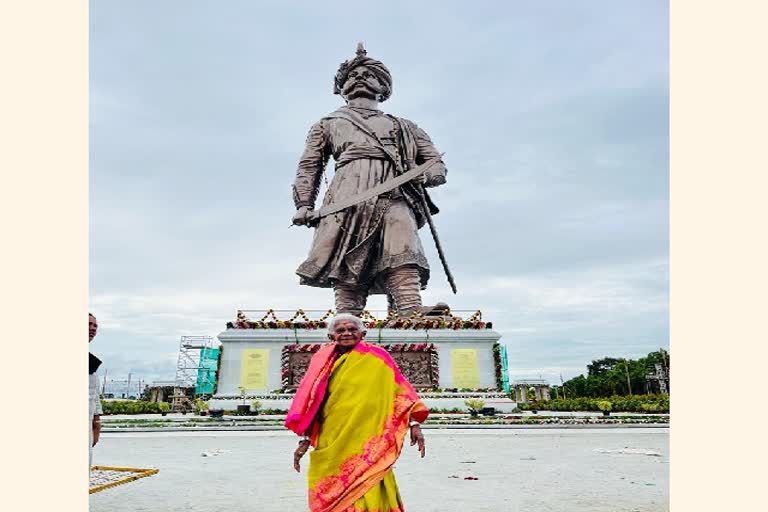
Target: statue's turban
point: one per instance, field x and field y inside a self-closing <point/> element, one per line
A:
<point x="376" y="67"/>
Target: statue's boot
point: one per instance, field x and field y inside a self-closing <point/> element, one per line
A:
<point x="404" y="286"/>
<point x="350" y="298"/>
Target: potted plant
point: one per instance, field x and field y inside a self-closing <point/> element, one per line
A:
<point x="605" y="406"/>
<point x="202" y="406"/>
<point x="243" y="409"/>
<point x="255" y="406"/>
<point x="475" y="406"/>
<point x="164" y="408"/>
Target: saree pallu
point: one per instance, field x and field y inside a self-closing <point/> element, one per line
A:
<point x="362" y="405"/>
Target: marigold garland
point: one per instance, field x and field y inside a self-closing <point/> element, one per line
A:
<point x="416" y="321"/>
<point x="497" y="364"/>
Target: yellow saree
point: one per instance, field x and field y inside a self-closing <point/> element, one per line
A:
<point x="361" y="420"/>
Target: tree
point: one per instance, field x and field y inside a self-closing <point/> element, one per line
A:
<point x="602" y="366"/>
<point x="608" y="376"/>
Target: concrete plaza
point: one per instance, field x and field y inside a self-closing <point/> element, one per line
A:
<point x="516" y="469"/>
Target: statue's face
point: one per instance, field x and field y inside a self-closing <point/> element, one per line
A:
<point x="362" y="83"/>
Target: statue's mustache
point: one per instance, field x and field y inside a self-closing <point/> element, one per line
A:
<point x="352" y="85"/>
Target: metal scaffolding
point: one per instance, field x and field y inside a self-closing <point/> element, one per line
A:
<point x="188" y="368"/>
<point x="658" y="380"/>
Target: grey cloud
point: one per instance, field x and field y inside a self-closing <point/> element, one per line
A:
<point x="554" y="120"/>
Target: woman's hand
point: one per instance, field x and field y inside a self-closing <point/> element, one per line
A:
<point x="418" y="438"/>
<point x="96" y="428"/>
<point x="299" y="453"/>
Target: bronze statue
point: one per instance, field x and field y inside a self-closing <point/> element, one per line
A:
<point x="366" y="239"/>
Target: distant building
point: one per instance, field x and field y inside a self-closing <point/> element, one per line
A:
<point x="525" y="389"/>
<point x="160" y="391"/>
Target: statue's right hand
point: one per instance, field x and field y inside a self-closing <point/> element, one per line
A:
<point x="301" y="217"/>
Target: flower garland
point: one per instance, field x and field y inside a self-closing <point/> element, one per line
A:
<point x="410" y="347"/>
<point x="218" y="370"/>
<point x="392" y="321"/>
<point x="497" y="364"/>
<point x="243" y="323"/>
<point x="453" y="393"/>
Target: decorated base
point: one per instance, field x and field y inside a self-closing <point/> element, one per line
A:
<point x="440" y="355"/>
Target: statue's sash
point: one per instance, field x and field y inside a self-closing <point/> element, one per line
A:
<point x="358" y="121"/>
<point x="411" y="196"/>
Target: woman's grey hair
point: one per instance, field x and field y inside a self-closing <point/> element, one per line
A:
<point x="345" y="316"/>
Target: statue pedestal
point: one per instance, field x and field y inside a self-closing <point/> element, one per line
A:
<point x="261" y="363"/>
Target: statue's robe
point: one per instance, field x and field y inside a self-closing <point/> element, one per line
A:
<point x="361" y="243"/>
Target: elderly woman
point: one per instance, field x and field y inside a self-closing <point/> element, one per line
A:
<point x="355" y="408"/>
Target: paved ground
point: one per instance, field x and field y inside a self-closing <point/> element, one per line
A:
<point x="570" y="470"/>
<point x="176" y="416"/>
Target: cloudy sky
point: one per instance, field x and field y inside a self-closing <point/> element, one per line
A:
<point x="554" y="120"/>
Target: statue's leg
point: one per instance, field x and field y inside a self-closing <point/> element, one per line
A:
<point x="350" y="298"/>
<point x="391" y="305"/>
<point x="404" y="285"/>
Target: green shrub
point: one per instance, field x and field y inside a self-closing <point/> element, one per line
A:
<point x="131" y="407"/>
<point x="474" y="405"/>
<point x="604" y="405"/>
<point x="274" y="411"/>
<point x="634" y="403"/>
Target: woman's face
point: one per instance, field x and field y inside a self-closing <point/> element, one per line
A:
<point x="346" y="333"/>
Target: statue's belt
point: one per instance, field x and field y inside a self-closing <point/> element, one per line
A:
<point x="376" y="191"/>
<point x="361" y="151"/>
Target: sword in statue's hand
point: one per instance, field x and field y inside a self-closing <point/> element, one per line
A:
<point x="314" y="216"/>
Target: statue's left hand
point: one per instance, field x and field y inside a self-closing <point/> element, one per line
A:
<point x="300" y="218"/>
